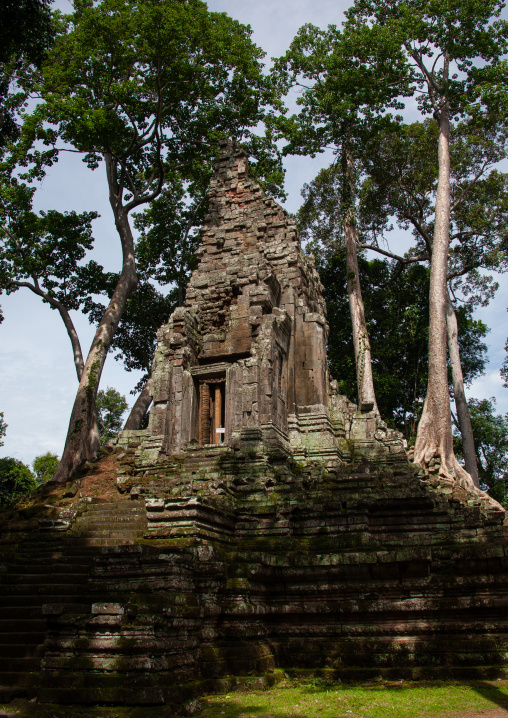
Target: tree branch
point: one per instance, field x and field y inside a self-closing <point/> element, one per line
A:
<point x="66" y="318"/>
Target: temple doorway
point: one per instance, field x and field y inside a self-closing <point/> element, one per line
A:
<point x="212" y="410"/>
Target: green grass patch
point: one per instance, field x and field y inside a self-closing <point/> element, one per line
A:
<point x="291" y="699"/>
<point x="386" y="700"/>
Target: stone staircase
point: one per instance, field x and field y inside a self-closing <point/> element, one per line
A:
<point x="35" y="582"/>
<point x="50" y="576"/>
<point x="112" y="523"/>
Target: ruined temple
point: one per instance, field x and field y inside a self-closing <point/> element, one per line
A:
<point x="245" y="359"/>
<point x="261" y="522"/>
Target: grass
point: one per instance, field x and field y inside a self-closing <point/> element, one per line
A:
<point x="310" y="700"/>
<point x="392" y="700"/>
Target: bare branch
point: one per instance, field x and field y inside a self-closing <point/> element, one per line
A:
<point x="66" y="318"/>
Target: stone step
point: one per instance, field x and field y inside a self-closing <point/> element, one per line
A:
<point x="93" y="526"/>
<point x="19" y="626"/>
<point x="22" y="650"/>
<point x="128" y="505"/>
<point x="42" y="578"/>
<point x="77" y="555"/>
<point x="30" y="601"/>
<point x="103" y="542"/>
<point x="133" y="515"/>
<point x="114" y="532"/>
<point x="46" y="588"/>
<point x="99" y="518"/>
<point x="18" y="664"/>
<point x="17" y="678"/>
<point x="9" y="693"/>
<point x="48" y="567"/>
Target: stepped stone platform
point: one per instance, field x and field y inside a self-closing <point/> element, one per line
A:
<point x="260" y="522"/>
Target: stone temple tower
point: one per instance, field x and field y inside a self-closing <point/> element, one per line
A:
<point x="260" y="522"/>
<point x="245" y="359"/>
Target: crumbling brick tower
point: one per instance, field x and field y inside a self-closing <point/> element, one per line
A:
<point x="245" y="359"/>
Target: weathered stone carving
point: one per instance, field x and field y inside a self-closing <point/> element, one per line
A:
<point x="248" y="350"/>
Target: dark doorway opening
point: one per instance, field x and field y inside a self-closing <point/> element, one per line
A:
<point x="212" y="411"/>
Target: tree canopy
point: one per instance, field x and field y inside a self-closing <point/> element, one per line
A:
<point x="144" y="89"/>
<point x="111" y="406"/>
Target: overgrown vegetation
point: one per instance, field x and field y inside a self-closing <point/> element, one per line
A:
<point x="312" y="700"/>
<point x="16" y="481"/>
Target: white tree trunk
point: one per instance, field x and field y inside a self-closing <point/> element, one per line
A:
<point x="462" y="408"/>
<point x="434" y="435"/>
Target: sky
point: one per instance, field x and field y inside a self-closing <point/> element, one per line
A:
<point x="37" y="376"/>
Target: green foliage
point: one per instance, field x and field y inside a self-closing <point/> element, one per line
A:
<point x="26" y="32"/>
<point x="169" y="232"/>
<point x="16" y="481"/>
<point x="400" y="184"/>
<point x="149" y="87"/>
<point x="111" y="406"/>
<point x="44" y="251"/>
<point x="346" y="81"/>
<point x="453" y="53"/>
<point x="3" y="427"/>
<point x="397" y="315"/>
<point x="344" y="87"/>
<point x="504" y="368"/>
<point x="44" y="466"/>
<point x="491" y="443"/>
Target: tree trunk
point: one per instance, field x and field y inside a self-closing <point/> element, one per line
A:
<point x="434" y="435"/>
<point x="66" y="318"/>
<point x="463" y="416"/>
<point x="82" y="442"/>
<point x="365" y="382"/>
<point x="140" y="408"/>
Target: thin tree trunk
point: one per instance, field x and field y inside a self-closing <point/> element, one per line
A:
<point x="66" y="318"/>
<point x="365" y="382"/>
<point x="434" y="435"/>
<point x="82" y="442"/>
<point x="140" y="408"/>
<point x="463" y="417"/>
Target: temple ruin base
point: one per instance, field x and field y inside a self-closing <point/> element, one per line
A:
<point x="221" y="566"/>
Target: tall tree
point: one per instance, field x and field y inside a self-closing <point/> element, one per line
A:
<point x="454" y="52"/>
<point x="135" y="340"/>
<point x="145" y="88"/>
<point x="504" y="368"/>
<point x="165" y="252"/>
<point x="16" y="481"/>
<point x="402" y="173"/>
<point x="347" y="80"/>
<point x="44" y="466"/>
<point x="396" y="307"/>
<point x="491" y="432"/>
